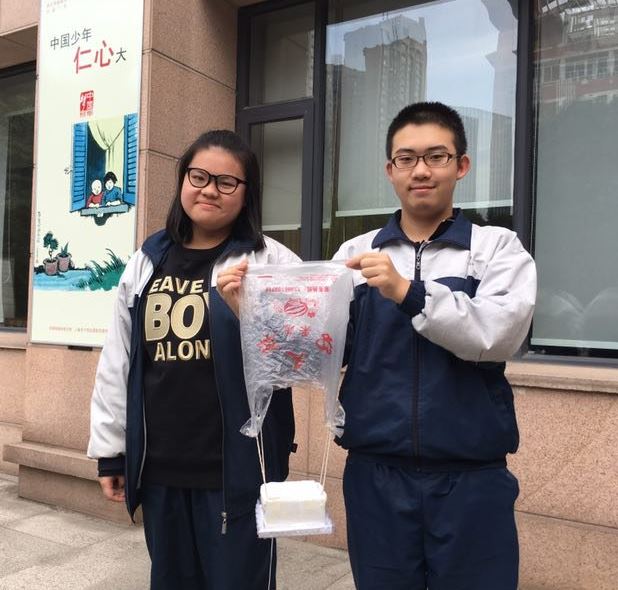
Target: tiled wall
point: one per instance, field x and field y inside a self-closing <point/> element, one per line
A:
<point x="188" y="86"/>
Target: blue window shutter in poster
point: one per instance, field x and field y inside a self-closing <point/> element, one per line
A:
<point x="130" y="158"/>
<point x="80" y="158"/>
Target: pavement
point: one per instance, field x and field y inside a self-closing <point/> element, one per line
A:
<point x="46" y="548"/>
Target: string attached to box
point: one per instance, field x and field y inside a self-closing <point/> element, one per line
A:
<point x="259" y="440"/>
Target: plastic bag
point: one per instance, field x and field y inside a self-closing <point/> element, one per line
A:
<point x="293" y="324"/>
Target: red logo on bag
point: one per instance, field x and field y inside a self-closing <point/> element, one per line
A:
<point x="325" y="343"/>
<point x="299" y="307"/>
<point x="295" y="307"/>
<point x="267" y="344"/>
<point x="297" y="359"/>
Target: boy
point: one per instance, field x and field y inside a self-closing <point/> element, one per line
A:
<point x="439" y="305"/>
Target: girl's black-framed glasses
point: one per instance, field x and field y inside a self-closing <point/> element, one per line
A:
<point x="225" y="183"/>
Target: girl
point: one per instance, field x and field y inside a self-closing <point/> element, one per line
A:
<point x="112" y="194"/>
<point x="169" y="397"/>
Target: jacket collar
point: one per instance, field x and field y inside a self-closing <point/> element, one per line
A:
<point x="157" y="245"/>
<point x="458" y="233"/>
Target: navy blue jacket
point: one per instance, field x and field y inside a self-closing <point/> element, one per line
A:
<point x="425" y="383"/>
<point x="119" y="385"/>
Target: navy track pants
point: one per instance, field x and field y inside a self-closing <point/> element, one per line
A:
<point x="188" y="551"/>
<point x="410" y="530"/>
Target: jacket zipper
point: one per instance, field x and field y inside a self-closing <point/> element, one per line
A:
<point x="214" y="368"/>
<point x="141" y="467"/>
<point x="140" y="327"/>
<point x="417" y="358"/>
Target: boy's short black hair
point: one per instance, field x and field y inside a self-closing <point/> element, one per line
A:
<point x="421" y="113"/>
<point x="110" y="176"/>
<point x="248" y="224"/>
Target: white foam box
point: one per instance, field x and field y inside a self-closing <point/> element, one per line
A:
<point x="292" y="508"/>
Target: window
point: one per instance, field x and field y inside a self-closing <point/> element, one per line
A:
<point x="552" y="176"/>
<point x="602" y="68"/>
<point x="348" y="67"/>
<point x="279" y="145"/>
<point x="282" y="55"/>
<point x="275" y="113"/>
<point x="100" y="146"/>
<point x="575" y="184"/>
<point x="17" y="87"/>
<point x="576" y="70"/>
<point x="551" y="72"/>
<point x="377" y="62"/>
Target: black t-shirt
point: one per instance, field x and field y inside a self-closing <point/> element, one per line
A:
<point x="183" y="415"/>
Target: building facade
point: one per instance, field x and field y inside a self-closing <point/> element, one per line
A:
<point x="313" y="85"/>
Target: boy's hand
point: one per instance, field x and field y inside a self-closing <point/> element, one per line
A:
<point x="228" y="284"/>
<point x="379" y="271"/>
<point x="113" y="487"/>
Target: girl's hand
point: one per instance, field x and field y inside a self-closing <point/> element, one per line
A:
<point x="113" y="487"/>
<point x="228" y="284"/>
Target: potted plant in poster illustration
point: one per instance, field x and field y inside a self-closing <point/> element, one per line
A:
<point x="64" y="258"/>
<point x="59" y="273"/>
<point x="50" y="264"/>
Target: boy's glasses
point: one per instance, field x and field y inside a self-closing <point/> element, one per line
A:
<point x="432" y="159"/>
<point x="225" y="183"/>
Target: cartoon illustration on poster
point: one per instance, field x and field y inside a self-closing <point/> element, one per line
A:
<point x="87" y="165"/>
<point x="103" y="152"/>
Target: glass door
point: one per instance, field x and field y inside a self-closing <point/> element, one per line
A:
<point x="277" y="107"/>
<point x="283" y="142"/>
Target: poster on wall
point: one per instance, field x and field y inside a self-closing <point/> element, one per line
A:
<point x="89" y="71"/>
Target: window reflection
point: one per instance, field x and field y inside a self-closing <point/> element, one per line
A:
<point x="279" y="147"/>
<point x="282" y="55"/>
<point x="383" y="56"/>
<point x="576" y="177"/>
<point x="16" y="147"/>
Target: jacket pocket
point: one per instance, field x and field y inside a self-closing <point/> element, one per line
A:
<point x="501" y="395"/>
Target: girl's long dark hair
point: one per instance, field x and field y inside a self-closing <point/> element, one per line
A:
<point x="248" y="224"/>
